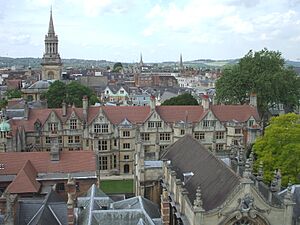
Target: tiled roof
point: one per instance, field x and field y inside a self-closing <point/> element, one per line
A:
<point x="180" y="113"/>
<point x="25" y="181"/>
<point x="70" y="162"/>
<point x="214" y="177"/>
<point x="240" y="113"/>
<point x="139" y="114"/>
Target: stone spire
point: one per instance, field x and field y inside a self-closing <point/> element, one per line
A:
<point x="198" y="203"/>
<point x="180" y="62"/>
<point x="141" y="60"/>
<point x="51" y="32"/>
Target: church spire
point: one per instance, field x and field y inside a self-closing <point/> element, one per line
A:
<point x="180" y="62"/>
<point x="141" y="60"/>
<point x="51" y="26"/>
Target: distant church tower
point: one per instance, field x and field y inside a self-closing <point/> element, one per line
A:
<point x="141" y="61"/>
<point x="180" y="63"/>
<point x="51" y="65"/>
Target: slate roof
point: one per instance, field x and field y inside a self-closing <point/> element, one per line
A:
<point x="214" y="177"/>
<point x="51" y="210"/>
<point x="131" y="211"/>
<point x="14" y="162"/>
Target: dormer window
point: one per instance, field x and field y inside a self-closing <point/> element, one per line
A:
<point x="53" y="127"/>
<point x="73" y="124"/>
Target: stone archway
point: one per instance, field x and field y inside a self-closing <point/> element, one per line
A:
<point x="247" y="221"/>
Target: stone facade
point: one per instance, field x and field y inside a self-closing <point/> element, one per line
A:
<point x="114" y="131"/>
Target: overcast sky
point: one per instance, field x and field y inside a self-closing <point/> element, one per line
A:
<point x="119" y="30"/>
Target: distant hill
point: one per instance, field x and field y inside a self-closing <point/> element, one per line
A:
<point x="82" y="63"/>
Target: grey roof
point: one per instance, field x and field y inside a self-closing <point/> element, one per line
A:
<point x="127" y="212"/>
<point x="41" y="84"/>
<point x="51" y="210"/>
<point x="153" y="164"/>
<point x="214" y="177"/>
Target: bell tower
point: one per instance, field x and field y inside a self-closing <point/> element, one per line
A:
<point x="51" y="65"/>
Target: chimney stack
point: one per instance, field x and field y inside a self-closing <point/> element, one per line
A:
<point x="205" y="102"/>
<point x="85" y="107"/>
<point x="253" y="100"/>
<point x="165" y="208"/>
<point x="152" y="102"/>
<point x="64" y="108"/>
<point x="71" y="191"/>
<point x="54" y="152"/>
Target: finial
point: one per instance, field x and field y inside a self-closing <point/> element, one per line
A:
<point x="260" y="173"/>
<point x="276" y="182"/>
<point x="289" y="194"/>
<point x="165" y="195"/>
<point x="247" y="171"/>
<point x="198" y="203"/>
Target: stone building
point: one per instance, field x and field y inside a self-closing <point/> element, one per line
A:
<point x="51" y="65"/>
<point x="198" y="188"/>
<point x="114" y="131"/>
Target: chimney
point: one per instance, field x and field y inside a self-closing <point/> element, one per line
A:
<point x="165" y="208"/>
<point x="253" y="100"/>
<point x="54" y="152"/>
<point x="64" y="108"/>
<point x="26" y="111"/>
<point x="71" y="191"/>
<point x="205" y="102"/>
<point x="85" y="107"/>
<point x="152" y="102"/>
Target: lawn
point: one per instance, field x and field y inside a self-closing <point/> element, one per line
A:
<point x="117" y="186"/>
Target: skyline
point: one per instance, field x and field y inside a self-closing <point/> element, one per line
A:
<point x="161" y="30"/>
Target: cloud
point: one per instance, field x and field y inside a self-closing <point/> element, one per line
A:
<point x="238" y="25"/>
<point x="20" y="39"/>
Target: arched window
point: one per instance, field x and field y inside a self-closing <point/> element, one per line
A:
<point x="50" y="75"/>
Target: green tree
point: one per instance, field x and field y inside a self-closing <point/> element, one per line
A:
<point x="3" y="103"/>
<point x="71" y="93"/>
<point x="75" y="92"/>
<point x="183" y="99"/>
<point x="13" y="93"/>
<point x="117" y="67"/>
<point x="279" y="148"/>
<point x="56" y="94"/>
<point x="263" y="73"/>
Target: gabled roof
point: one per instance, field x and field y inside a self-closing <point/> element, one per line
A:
<point x="51" y="210"/>
<point x="214" y="177"/>
<point x="14" y="162"/>
<point x="25" y="181"/>
<point x="240" y="113"/>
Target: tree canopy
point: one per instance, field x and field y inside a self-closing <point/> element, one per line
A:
<point x="71" y="93"/>
<point x="13" y="93"/>
<point x="117" y="67"/>
<point x="263" y="73"/>
<point x="279" y="148"/>
<point x="183" y="99"/>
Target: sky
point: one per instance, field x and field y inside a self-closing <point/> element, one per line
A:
<point x="120" y="30"/>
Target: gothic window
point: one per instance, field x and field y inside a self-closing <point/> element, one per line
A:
<point x="126" y="157"/>
<point x="182" y="132"/>
<point x="151" y="124"/>
<point x="73" y="124"/>
<point x="158" y="124"/>
<point x="70" y="139"/>
<point x="50" y="75"/>
<point x="219" y="147"/>
<point x="205" y="123"/>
